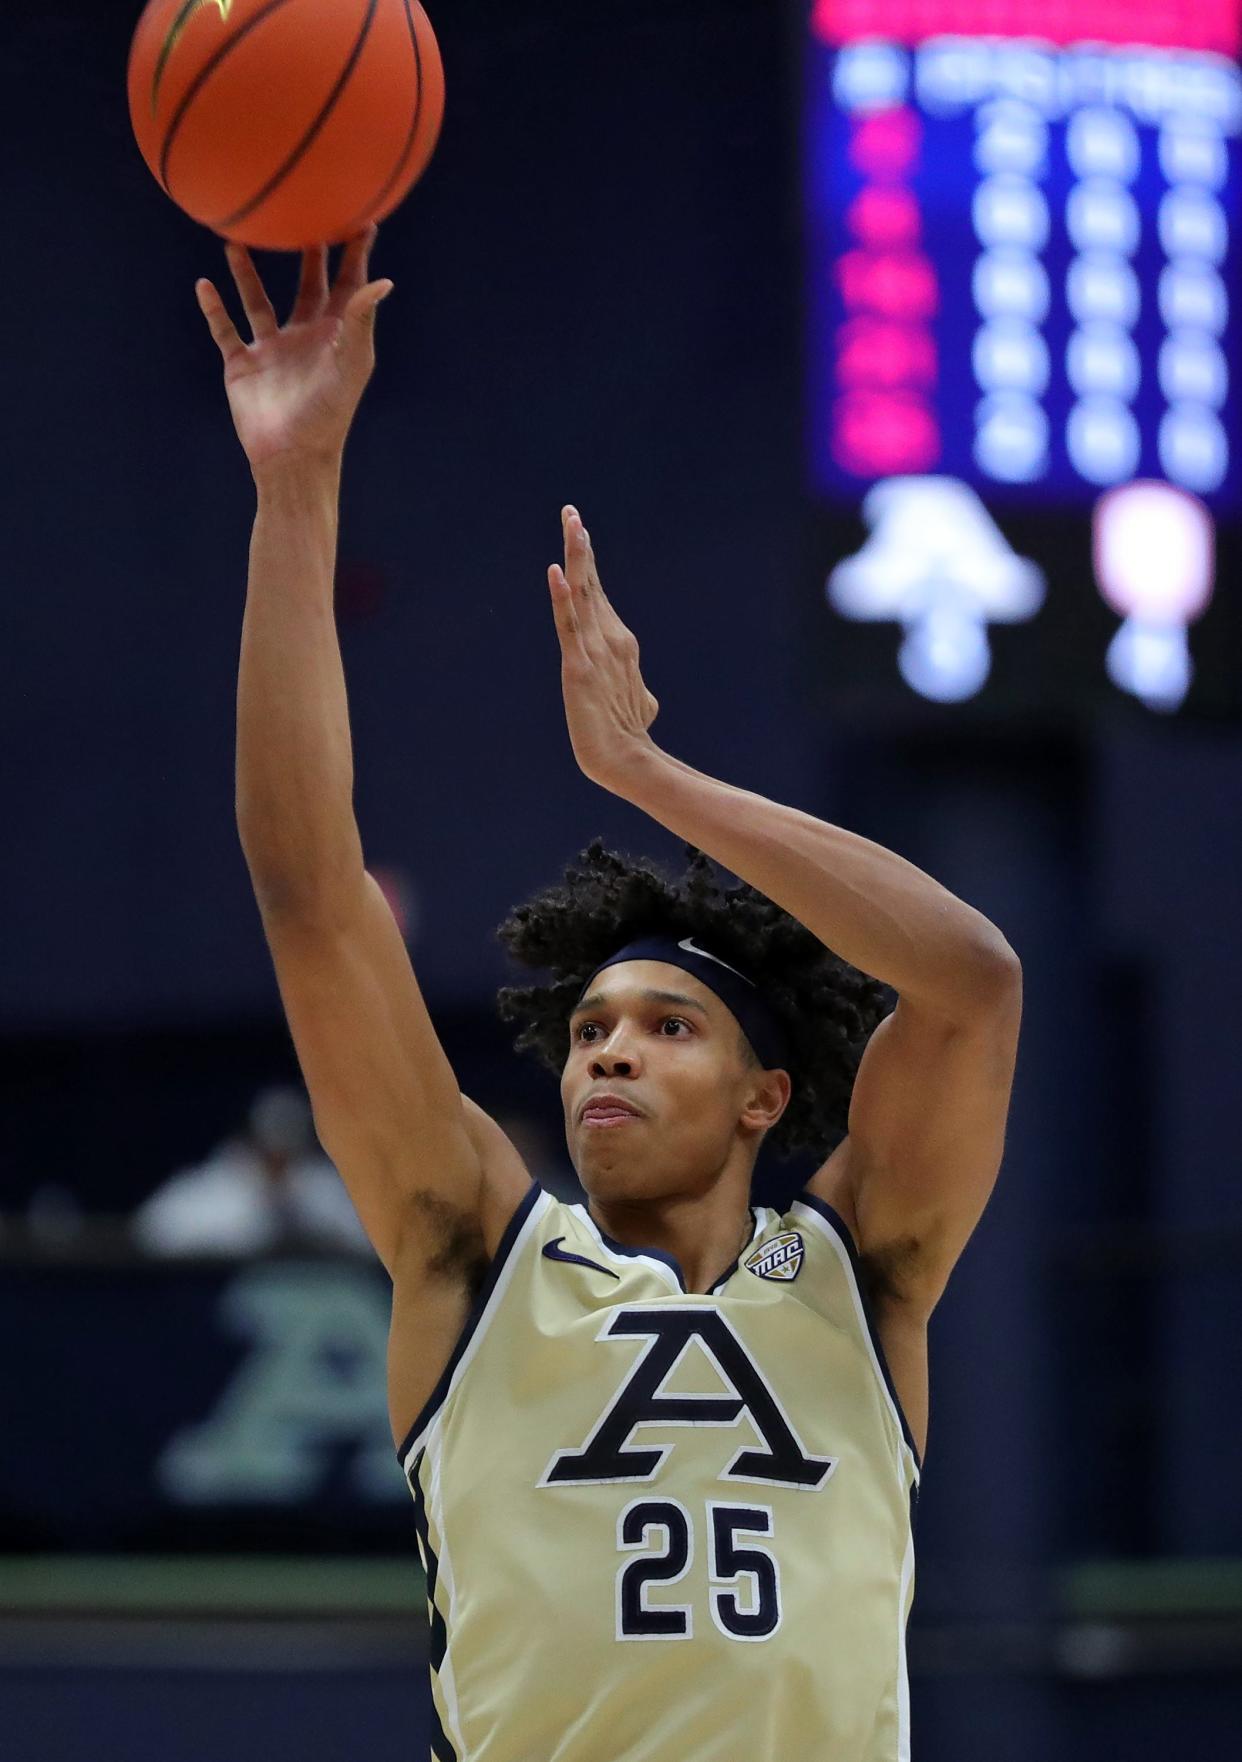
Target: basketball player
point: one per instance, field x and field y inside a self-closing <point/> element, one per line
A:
<point x="664" y="1446"/>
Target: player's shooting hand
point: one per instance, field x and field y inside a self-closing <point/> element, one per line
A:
<point x="293" y="391"/>
<point x="607" y="706"/>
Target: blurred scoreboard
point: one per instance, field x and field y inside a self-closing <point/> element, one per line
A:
<point x="1022" y="259"/>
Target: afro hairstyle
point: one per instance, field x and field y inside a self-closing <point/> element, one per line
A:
<point x="828" y="1008"/>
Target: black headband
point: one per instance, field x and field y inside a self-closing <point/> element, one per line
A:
<point x="758" y="1020"/>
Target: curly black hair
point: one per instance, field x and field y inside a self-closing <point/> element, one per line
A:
<point x="827" y="1007"/>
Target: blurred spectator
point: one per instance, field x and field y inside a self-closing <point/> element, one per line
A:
<point x="271" y="1187"/>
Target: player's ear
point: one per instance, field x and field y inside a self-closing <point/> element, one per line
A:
<point x="769" y="1097"/>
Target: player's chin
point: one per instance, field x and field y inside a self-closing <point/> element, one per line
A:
<point x="613" y="1174"/>
<point x="627" y="1149"/>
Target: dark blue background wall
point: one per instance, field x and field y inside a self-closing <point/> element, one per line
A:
<point x="596" y="300"/>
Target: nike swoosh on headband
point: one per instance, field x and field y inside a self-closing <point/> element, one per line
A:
<point x="688" y="943"/>
<point x="554" y="1251"/>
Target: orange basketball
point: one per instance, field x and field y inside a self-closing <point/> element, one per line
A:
<point x="286" y="123"/>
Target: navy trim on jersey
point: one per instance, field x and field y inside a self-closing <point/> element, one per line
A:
<point x="430" y="1560"/>
<point x="754" y="1231"/>
<point x="439" y="1394"/>
<point x="442" y="1749"/>
<point x="671" y="1260"/>
<point x="843" y="1230"/>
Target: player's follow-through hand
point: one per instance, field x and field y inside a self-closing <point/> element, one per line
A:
<point x="607" y="706"/>
<point x="293" y="391"/>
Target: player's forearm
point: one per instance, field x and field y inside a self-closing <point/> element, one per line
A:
<point x="869" y="905"/>
<point x="295" y="773"/>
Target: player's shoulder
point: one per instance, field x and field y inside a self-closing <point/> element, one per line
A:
<point x="825" y="1205"/>
<point x="808" y="1246"/>
<point x="535" y="1216"/>
<point x="566" y="1222"/>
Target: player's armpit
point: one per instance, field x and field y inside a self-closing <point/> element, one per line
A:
<point x="386" y="1102"/>
<point x="927" y="1134"/>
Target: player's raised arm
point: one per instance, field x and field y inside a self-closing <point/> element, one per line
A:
<point x="387" y="1106"/>
<point x="293" y="393"/>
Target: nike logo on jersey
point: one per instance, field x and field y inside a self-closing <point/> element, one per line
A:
<point x="554" y="1251"/>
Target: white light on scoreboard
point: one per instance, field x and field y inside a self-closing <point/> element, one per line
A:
<point x="1009" y="210"/>
<point x="1193" y="295"/>
<point x="936" y="562"/>
<point x="1102" y="143"/>
<point x="1100" y="286"/>
<point x="1103" y="440"/>
<point x="1103" y="359"/>
<point x="870" y="76"/>
<point x="1193" y="151"/>
<point x="1192" y="366"/>
<point x="1192" y="223"/>
<point x="1194" y="449"/>
<point x="1011" y="437"/>
<point x="1010" y="355"/>
<point x="1010" y="284"/>
<point x="1102" y="216"/>
<point x="1155" y="565"/>
<point x="1010" y="137"/>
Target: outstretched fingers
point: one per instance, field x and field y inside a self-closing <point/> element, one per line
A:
<point x="565" y="611"/>
<point x="582" y="574"/>
<point x="254" y="298"/>
<point x="353" y="270"/>
<point x="219" y="323"/>
<point x="575" y="573"/>
<point x="312" y="295"/>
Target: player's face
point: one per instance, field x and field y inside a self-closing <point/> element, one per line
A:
<point x="651" y="1034"/>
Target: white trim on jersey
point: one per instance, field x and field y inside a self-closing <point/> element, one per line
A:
<point x="764" y="1217"/>
<point x="636" y="1255"/>
<point x="808" y="1215"/>
<point x="903" y="1671"/>
<point x="537" y="1211"/>
<point x="444" y="1576"/>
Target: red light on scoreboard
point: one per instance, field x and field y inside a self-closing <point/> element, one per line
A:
<point x="885" y="433"/>
<point x="1165" y="24"/>
<point x="897" y="284"/>
<point x="883" y="419"/>
<point x="878" y="353"/>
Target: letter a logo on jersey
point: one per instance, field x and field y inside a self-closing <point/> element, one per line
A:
<point x="607" y="1454"/>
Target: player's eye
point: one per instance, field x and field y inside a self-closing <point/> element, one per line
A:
<point x="583" y="1026"/>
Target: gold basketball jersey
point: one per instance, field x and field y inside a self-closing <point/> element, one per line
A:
<point x="662" y="1526"/>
